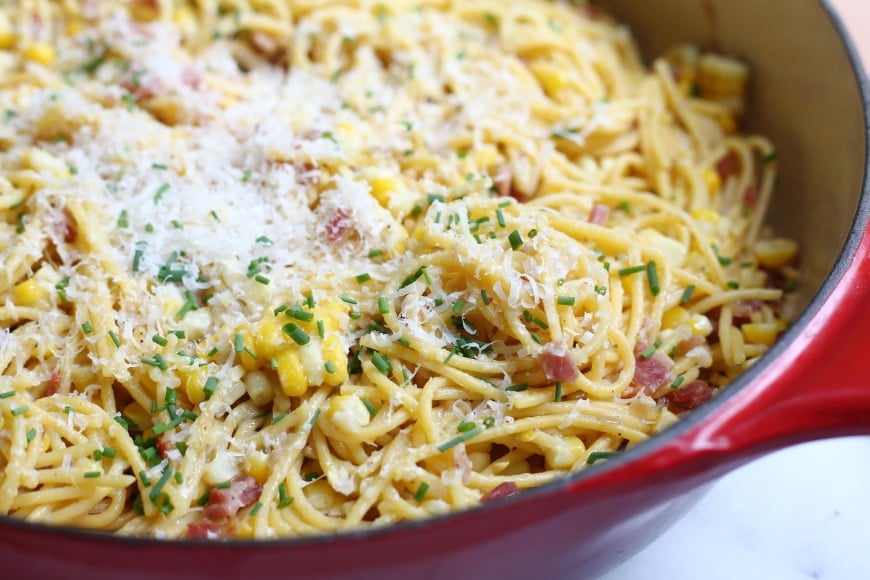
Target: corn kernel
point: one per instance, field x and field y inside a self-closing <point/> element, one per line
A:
<point x="258" y="466"/>
<point x="706" y="214"/>
<point x="713" y="181"/>
<point x="760" y="332"/>
<point x="381" y="189"/>
<point x="41" y="53"/>
<point x="249" y="362"/>
<point x="333" y="351"/>
<point x="29" y="293"/>
<point x="258" y="387"/>
<point x="294" y="383"/>
<point x="136" y="413"/>
<point x="348" y="413"/>
<point x="7" y="40"/>
<point x="776" y="252"/>
<point x="194" y="383"/>
<point x="269" y="338"/>
<point x="700" y="324"/>
<point x="676" y="316"/>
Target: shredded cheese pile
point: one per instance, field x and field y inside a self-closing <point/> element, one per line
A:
<point x="293" y="267"/>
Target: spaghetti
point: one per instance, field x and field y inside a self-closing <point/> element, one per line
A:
<point x="284" y="267"/>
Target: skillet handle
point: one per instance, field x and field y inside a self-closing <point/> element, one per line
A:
<point x="816" y="387"/>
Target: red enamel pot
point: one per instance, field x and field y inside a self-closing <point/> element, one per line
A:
<point x="810" y="96"/>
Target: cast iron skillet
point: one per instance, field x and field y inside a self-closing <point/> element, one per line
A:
<point x="810" y="96"/>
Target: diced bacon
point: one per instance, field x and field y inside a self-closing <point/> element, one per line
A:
<point x="652" y="372"/>
<point x="205" y="531"/>
<point x="52" y="385"/>
<point x="505" y="489"/>
<point x="558" y="364"/>
<point x="750" y="196"/>
<point x="338" y="225"/>
<point x="143" y="88"/>
<point x="745" y="308"/>
<point x="695" y="340"/>
<point x="503" y="180"/>
<point x="600" y="214"/>
<point x="225" y="503"/>
<point x="163" y="446"/>
<point x="69" y="227"/>
<point x="689" y="396"/>
<point x="728" y="165"/>
<point x="463" y="464"/>
<point x="192" y="78"/>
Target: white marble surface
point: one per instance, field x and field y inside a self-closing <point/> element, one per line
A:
<point x="799" y="513"/>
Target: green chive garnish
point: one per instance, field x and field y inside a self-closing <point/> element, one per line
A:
<point x="87" y="328"/>
<point x="383" y="305"/>
<point x="381" y="363"/>
<point x="298" y="335"/>
<point x="687" y="294"/>
<point x="653" y="277"/>
<point x="92" y="474"/>
<point x="157" y="339"/>
<point x="461" y="438"/>
<point x="370" y="406"/>
<point x="421" y="491"/>
<point x="598" y="455"/>
<point x="517" y="388"/>
<point x="557" y="396"/>
<point x="299" y="314"/>
<point x="515" y="239"/>
<point x="631" y="270"/>
<point x="566" y="301"/>
<point x="364" y="277"/>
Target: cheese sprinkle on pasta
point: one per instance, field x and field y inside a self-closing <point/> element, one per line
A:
<point x="289" y="267"/>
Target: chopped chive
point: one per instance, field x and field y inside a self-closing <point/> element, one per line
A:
<point x="403" y="341"/>
<point x="733" y="284"/>
<point x="239" y="342"/>
<point x="159" y="195"/>
<point x="257" y="507"/>
<point x="499" y="216"/>
<point x="246" y="176"/>
<point x="687" y="294"/>
<point x="625" y="206"/>
<point x="189" y="304"/>
<point x="421" y="491"/>
<point x="432" y="197"/>
<point x="424" y="271"/>
<point x="159" y="166"/>
<point x="7" y="394"/>
<point x="466" y="426"/>
<point x="370" y="406"/>
<point x="178" y="334"/>
<point x="383" y="305"/>
<point x="566" y="301"/>
<point x="722" y="259"/>
<point x="598" y="455"/>
<point x="92" y="474"/>
<point x="631" y="270"/>
<point x="532" y="233"/>
<point x="122" y="219"/>
<point x="517" y="388"/>
<point x="678" y="381"/>
<point x="309" y="301"/>
<point x="515" y="239"/>
<point x="137" y="255"/>
<point x="650" y="350"/>
<point x="329" y="366"/>
<point x="355" y="314"/>
<point x="299" y="314"/>
<point x="284" y="498"/>
<point x="381" y="363"/>
<point x="298" y="335"/>
<point x="364" y="277"/>
<point x="262" y="279"/>
<point x="273" y="363"/>
<point x="263" y="240"/>
<point x="489" y="422"/>
<point x="770" y="157"/>
<point x="223" y="485"/>
<point x="203" y="499"/>
<point x="157" y="362"/>
<point x="279" y="309"/>
<point x="484" y="297"/>
<point x="653" y="278"/>
<point x="31" y="435"/>
<point x="212" y="352"/>
<point x="277" y="418"/>
<point x="348" y="299"/>
<point x="109" y="452"/>
<point x="314" y="417"/>
<point x="321" y="329"/>
<point x="87" y="328"/>
<point x="461" y="438"/>
<point x="375" y="253"/>
<point x="459" y="306"/>
<point x="157" y="339"/>
<point x="541" y="324"/>
<point x="179" y="478"/>
<point x="557" y="396"/>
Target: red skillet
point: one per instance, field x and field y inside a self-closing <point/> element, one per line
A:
<point x="810" y="97"/>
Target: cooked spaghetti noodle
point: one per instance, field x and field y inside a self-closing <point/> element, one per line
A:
<point x="283" y="267"/>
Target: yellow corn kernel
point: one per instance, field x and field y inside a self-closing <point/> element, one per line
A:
<point x="551" y="78"/>
<point x="194" y="383"/>
<point x="776" y="252"/>
<point x="74" y="26"/>
<point x="41" y="53"/>
<point x="29" y="293"/>
<point x="136" y="413"/>
<point x="706" y="214"/>
<point x="382" y="187"/>
<point x="760" y="332"/>
<point x="7" y="40"/>
<point x="258" y="466"/>
<point x="700" y="324"/>
<point x="348" y="413"/>
<point x="676" y="316"/>
<point x="258" y="387"/>
<point x="713" y="181"/>
<point x="333" y="315"/>
<point x="269" y="338"/>
<point x="294" y="383"/>
<point x="333" y="351"/>
<point x="249" y="362"/>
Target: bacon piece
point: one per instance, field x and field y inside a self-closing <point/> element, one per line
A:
<point x="503" y="180"/>
<point x="693" y="341"/>
<point x="70" y="227"/>
<point x="652" y="372"/>
<point x="191" y="77"/>
<point x="225" y="503"/>
<point x="505" y="489"/>
<point x="750" y="196"/>
<point x="557" y="363"/>
<point x="689" y="396"/>
<point x="206" y="530"/>
<point x="338" y="225"/>
<point x="463" y="464"/>
<point x="600" y="214"/>
<point x="728" y="165"/>
<point x="163" y="446"/>
<point x="52" y="384"/>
